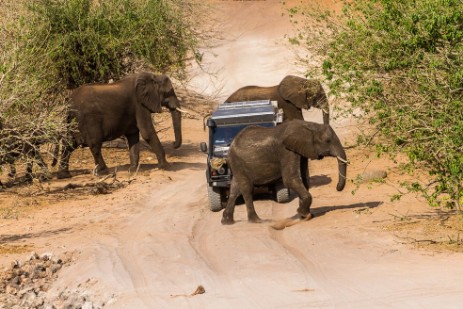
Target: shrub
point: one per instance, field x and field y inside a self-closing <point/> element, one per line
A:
<point x="401" y="62"/>
<point x="90" y="41"/>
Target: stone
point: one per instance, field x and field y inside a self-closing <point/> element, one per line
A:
<point x="371" y="175"/>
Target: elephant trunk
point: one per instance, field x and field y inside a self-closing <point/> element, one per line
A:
<point x="177" y="124"/>
<point x="342" y="166"/>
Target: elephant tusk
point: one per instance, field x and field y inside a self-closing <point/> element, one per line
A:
<point x="342" y="160"/>
<point x="187" y="111"/>
<point x="181" y="110"/>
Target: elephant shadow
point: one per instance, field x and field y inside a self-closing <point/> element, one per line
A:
<point x="320" y="211"/>
<point x="173" y="166"/>
<point x="18" y="181"/>
<point x="264" y="194"/>
<point x="314" y="181"/>
<point x="319" y="180"/>
<point x="186" y="150"/>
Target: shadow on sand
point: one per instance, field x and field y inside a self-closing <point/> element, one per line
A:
<point x="320" y="211"/>
<point x="16" y="237"/>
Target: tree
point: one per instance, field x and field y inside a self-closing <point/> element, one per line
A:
<point x="401" y="62"/>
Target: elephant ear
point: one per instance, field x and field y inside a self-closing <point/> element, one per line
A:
<point x="315" y="95"/>
<point x="147" y="92"/>
<point x="166" y="90"/>
<point x="299" y="137"/>
<point x="294" y="89"/>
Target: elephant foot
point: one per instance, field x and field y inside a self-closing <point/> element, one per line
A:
<point x="101" y="172"/>
<point x="63" y="175"/>
<point x="255" y="219"/>
<point x="226" y="220"/>
<point x="164" y="165"/>
<point x="296" y="219"/>
<point x="303" y="213"/>
<point x="28" y="178"/>
<point x="44" y="176"/>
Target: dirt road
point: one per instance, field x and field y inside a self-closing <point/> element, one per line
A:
<point x="154" y="242"/>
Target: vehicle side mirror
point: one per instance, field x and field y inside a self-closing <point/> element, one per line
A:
<point x="203" y="147"/>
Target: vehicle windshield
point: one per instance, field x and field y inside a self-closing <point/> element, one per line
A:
<point x="225" y="135"/>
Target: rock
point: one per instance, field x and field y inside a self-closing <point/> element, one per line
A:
<point x="87" y="305"/>
<point x="12" y="289"/>
<point x="16" y="280"/>
<point x="34" y="256"/>
<point x="46" y="256"/>
<point x="55" y="267"/>
<point x="370" y="175"/>
<point x="23" y="285"/>
<point x="38" y="302"/>
<point x="28" y="299"/>
<point x="15" y="264"/>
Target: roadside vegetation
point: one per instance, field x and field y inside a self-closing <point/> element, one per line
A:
<point x="399" y="64"/>
<point x="48" y="47"/>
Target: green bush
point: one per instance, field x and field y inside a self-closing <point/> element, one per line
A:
<point x="89" y="41"/>
<point x="402" y="63"/>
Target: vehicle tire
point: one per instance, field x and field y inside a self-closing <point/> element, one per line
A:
<point x="281" y="193"/>
<point x="215" y="198"/>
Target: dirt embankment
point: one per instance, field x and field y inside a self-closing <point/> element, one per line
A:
<point x="153" y="243"/>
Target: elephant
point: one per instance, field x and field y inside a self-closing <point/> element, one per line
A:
<point x="104" y="112"/>
<point x="13" y="147"/>
<point x="292" y="94"/>
<point x="261" y="156"/>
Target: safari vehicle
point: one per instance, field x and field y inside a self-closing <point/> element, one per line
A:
<point x="223" y="125"/>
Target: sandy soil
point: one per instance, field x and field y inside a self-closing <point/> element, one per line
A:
<point x="151" y="241"/>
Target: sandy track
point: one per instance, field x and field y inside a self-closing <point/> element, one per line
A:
<point x="171" y="243"/>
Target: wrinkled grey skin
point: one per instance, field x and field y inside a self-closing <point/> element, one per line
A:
<point x="13" y="148"/>
<point x="292" y="94"/>
<point x="104" y="112"/>
<point x="261" y="156"/>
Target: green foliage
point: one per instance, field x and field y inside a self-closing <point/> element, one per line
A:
<point x="402" y="63"/>
<point x="90" y="41"/>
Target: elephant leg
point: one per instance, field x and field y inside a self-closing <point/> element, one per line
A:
<point x="100" y="165"/>
<point x="227" y="216"/>
<point x="45" y="172"/>
<point x="150" y="136"/>
<point x="12" y="172"/>
<point x="305" y="176"/>
<point x="305" y="198"/>
<point x="66" y="151"/>
<point x="248" y="199"/>
<point x="29" y="170"/>
<point x="247" y="189"/>
<point x="134" y="149"/>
